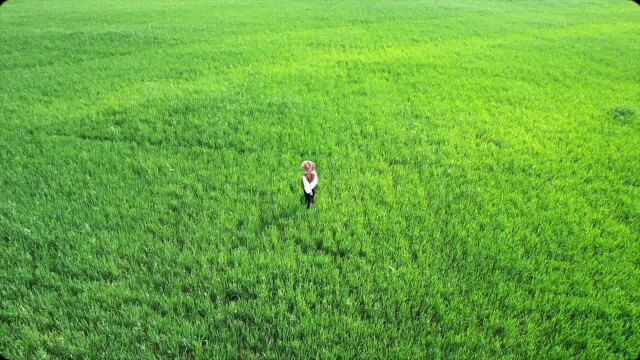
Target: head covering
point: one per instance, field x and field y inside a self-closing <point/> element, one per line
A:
<point x="308" y="165"/>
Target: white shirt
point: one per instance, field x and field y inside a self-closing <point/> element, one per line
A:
<point x="308" y="186"/>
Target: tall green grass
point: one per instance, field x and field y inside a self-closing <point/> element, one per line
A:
<point x="478" y="165"/>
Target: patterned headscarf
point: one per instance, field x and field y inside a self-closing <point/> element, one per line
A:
<point x="309" y="167"/>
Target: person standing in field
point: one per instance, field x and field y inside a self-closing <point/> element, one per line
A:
<point x="309" y="181"/>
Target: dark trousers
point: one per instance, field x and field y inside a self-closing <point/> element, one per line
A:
<point x="308" y="198"/>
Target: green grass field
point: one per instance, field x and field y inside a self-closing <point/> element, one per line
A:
<point x="479" y="166"/>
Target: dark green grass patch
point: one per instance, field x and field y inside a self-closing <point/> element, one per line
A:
<point x="478" y="162"/>
<point x="623" y="113"/>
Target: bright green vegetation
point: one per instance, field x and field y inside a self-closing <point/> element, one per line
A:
<point x="479" y="179"/>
